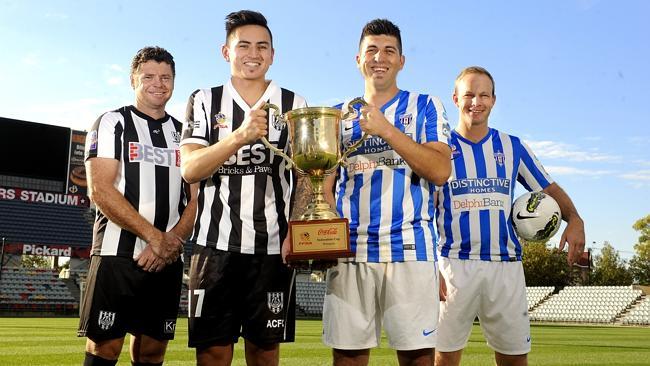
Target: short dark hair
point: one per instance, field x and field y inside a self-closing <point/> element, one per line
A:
<point x="378" y="27"/>
<point x="241" y="18"/>
<point x="474" y="70"/>
<point x="155" y="53"/>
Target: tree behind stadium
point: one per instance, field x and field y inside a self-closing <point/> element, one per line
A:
<point x="546" y="267"/>
<point x="610" y="269"/>
<point x="640" y="263"/>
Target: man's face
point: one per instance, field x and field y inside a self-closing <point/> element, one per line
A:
<point x="379" y="60"/>
<point x="474" y="99"/>
<point x="249" y="52"/>
<point x="153" y="83"/>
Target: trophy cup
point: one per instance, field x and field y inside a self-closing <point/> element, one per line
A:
<point x="314" y="136"/>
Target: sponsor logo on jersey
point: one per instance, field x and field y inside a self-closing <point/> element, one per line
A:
<point x="169" y="327"/>
<point x="220" y="119"/>
<point x="162" y="156"/>
<point x="480" y="185"/>
<point x="372" y="145"/>
<point x="477" y="204"/>
<point x="500" y="158"/>
<point x="92" y="137"/>
<point x="274" y="301"/>
<point x="250" y="159"/>
<point x="106" y="319"/>
<point x="358" y="167"/>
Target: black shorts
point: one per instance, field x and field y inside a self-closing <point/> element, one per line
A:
<point x="233" y="294"/>
<point x="122" y="298"/>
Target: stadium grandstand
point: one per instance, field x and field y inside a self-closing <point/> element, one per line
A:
<point x="44" y="211"/>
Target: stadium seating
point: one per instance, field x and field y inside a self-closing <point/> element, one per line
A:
<point x="535" y="295"/>
<point x="44" y="223"/>
<point x="587" y="304"/>
<point x="36" y="290"/>
<point x="309" y="298"/>
<point x="638" y="315"/>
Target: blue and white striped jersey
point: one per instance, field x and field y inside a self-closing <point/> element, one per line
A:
<point x="390" y="208"/>
<point x="474" y="205"/>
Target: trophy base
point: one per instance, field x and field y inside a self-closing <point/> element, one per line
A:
<point x="319" y="239"/>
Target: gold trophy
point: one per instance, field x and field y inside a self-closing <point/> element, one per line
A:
<point x="314" y="135"/>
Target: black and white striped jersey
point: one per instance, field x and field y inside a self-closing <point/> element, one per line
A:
<point x="244" y="206"/>
<point x="149" y="175"/>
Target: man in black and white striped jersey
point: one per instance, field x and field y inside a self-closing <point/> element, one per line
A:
<point x="145" y="212"/>
<point x="238" y="283"/>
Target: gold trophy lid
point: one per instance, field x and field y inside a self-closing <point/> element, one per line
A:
<point x="314" y="112"/>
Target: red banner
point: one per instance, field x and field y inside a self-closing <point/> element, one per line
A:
<point x="48" y="250"/>
<point x="26" y="195"/>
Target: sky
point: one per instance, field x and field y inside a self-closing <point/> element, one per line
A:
<point x="572" y="76"/>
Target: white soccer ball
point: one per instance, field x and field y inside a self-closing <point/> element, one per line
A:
<point x="536" y="216"/>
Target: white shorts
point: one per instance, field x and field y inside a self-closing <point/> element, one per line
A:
<point x="360" y="297"/>
<point x="493" y="291"/>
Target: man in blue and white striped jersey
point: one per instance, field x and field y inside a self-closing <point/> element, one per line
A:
<point x="387" y="193"/>
<point x="480" y="253"/>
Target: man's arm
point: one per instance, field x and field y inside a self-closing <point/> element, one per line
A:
<point x="101" y="175"/>
<point x="431" y="160"/>
<point x="184" y="226"/>
<point x="199" y="162"/>
<point x="574" y="233"/>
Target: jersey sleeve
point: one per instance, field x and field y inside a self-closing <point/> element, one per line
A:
<point x="436" y="125"/>
<point x="299" y="102"/>
<point x="197" y="122"/>
<point x="105" y="137"/>
<point x="531" y="173"/>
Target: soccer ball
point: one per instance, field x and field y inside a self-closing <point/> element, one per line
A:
<point x="536" y="216"/>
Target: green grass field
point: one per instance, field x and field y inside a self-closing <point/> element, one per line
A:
<point x="52" y="342"/>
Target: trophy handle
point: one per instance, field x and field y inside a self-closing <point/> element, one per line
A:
<point x="283" y="121"/>
<point x="350" y="114"/>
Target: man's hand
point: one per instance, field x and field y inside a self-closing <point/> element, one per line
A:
<point x="168" y="246"/>
<point x="254" y="125"/>
<point x="373" y="121"/>
<point x="149" y="261"/>
<point x="316" y="264"/>
<point x="442" y="289"/>
<point x="574" y="236"/>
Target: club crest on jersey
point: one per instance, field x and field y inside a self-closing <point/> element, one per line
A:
<point x="274" y="301"/>
<point x="446" y="129"/>
<point x="176" y="137"/>
<point x="106" y="319"/>
<point x="276" y="122"/>
<point x="406" y="119"/>
<point x="220" y="118"/>
<point x="454" y="152"/>
<point x="500" y="158"/>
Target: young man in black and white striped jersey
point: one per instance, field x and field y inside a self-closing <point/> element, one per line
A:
<point x="144" y="213"/>
<point x="238" y="283"/>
